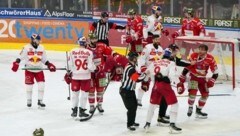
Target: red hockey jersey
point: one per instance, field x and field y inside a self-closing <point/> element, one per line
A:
<point x="200" y="69"/>
<point x="100" y="52"/>
<point x="135" y="27"/>
<point x="192" y="27"/>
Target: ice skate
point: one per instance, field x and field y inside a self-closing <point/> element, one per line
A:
<point x="200" y="114"/>
<point x="132" y="128"/>
<point x="190" y="110"/>
<point x="136" y="125"/>
<point x="29" y="103"/>
<point x="100" y="109"/>
<point x="174" y="129"/>
<point x="139" y="102"/>
<point x="41" y="105"/>
<point x="166" y="117"/>
<point x="92" y="108"/>
<point x="74" y="112"/>
<point x="147" y="126"/>
<point x="162" y="122"/>
<point x="82" y="112"/>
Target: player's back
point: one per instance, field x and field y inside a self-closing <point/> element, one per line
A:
<point x="163" y="66"/>
<point x="79" y="59"/>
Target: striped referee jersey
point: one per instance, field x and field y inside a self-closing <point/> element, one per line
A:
<point x="101" y="29"/>
<point x="131" y="77"/>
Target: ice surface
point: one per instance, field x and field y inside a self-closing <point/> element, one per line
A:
<point x="17" y="120"/>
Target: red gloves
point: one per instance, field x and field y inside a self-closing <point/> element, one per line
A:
<point x="129" y="39"/>
<point x="165" y="32"/>
<point x="182" y="78"/>
<point x="180" y="85"/>
<point x="210" y="82"/>
<point x="174" y="35"/>
<point x="180" y="88"/>
<point x="143" y="69"/>
<point x="99" y="68"/>
<point x="145" y="85"/>
<point x="51" y="67"/>
<point x="68" y="78"/>
<point x="15" y="66"/>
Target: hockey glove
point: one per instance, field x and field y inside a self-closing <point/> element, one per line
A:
<point x="129" y="39"/>
<point x="143" y="69"/>
<point x="182" y="78"/>
<point x="165" y="32"/>
<point x="99" y="68"/>
<point x="180" y="88"/>
<point x="15" y="66"/>
<point x="145" y="85"/>
<point x="210" y="82"/>
<point x="51" y="67"/>
<point x="68" y="78"/>
<point x="174" y="35"/>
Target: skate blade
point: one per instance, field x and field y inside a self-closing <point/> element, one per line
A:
<point x="172" y="131"/>
<point x="175" y="132"/>
<point x="41" y="108"/>
<point x="201" y="117"/>
<point x="146" y="130"/>
<point x="160" y="124"/>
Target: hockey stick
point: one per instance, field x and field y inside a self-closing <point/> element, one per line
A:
<point x="208" y="95"/>
<point x="127" y="48"/>
<point x="42" y="69"/>
<point x="69" y="93"/>
<point x="89" y="117"/>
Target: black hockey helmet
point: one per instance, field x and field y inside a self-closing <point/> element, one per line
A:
<point x="173" y="47"/>
<point x="104" y="14"/>
<point x="132" y="55"/>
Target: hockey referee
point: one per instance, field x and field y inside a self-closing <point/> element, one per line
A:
<point x="127" y="89"/>
<point x="101" y="28"/>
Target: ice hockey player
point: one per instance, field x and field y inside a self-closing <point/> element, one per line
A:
<point x="115" y="65"/>
<point x="127" y="89"/>
<point x="154" y="25"/>
<point x="198" y="80"/>
<point x="79" y="75"/>
<point x="162" y="70"/>
<point x="191" y="26"/>
<point x="163" y="119"/>
<point x="134" y="30"/>
<point x="34" y="55"/>
<point x="150" y="53"/>
<point x="98" y="78"/>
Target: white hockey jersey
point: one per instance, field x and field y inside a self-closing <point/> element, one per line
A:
<point x="148" y="55"/>
<point x="34" y="58"/>
<point x="81" y="63"/>
<point x="153" y="25"/>
<point x="164" y="66"/>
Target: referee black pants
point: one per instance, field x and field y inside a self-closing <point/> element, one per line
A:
<point x="130" y="101"/>
<point x="162" y="108"/>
